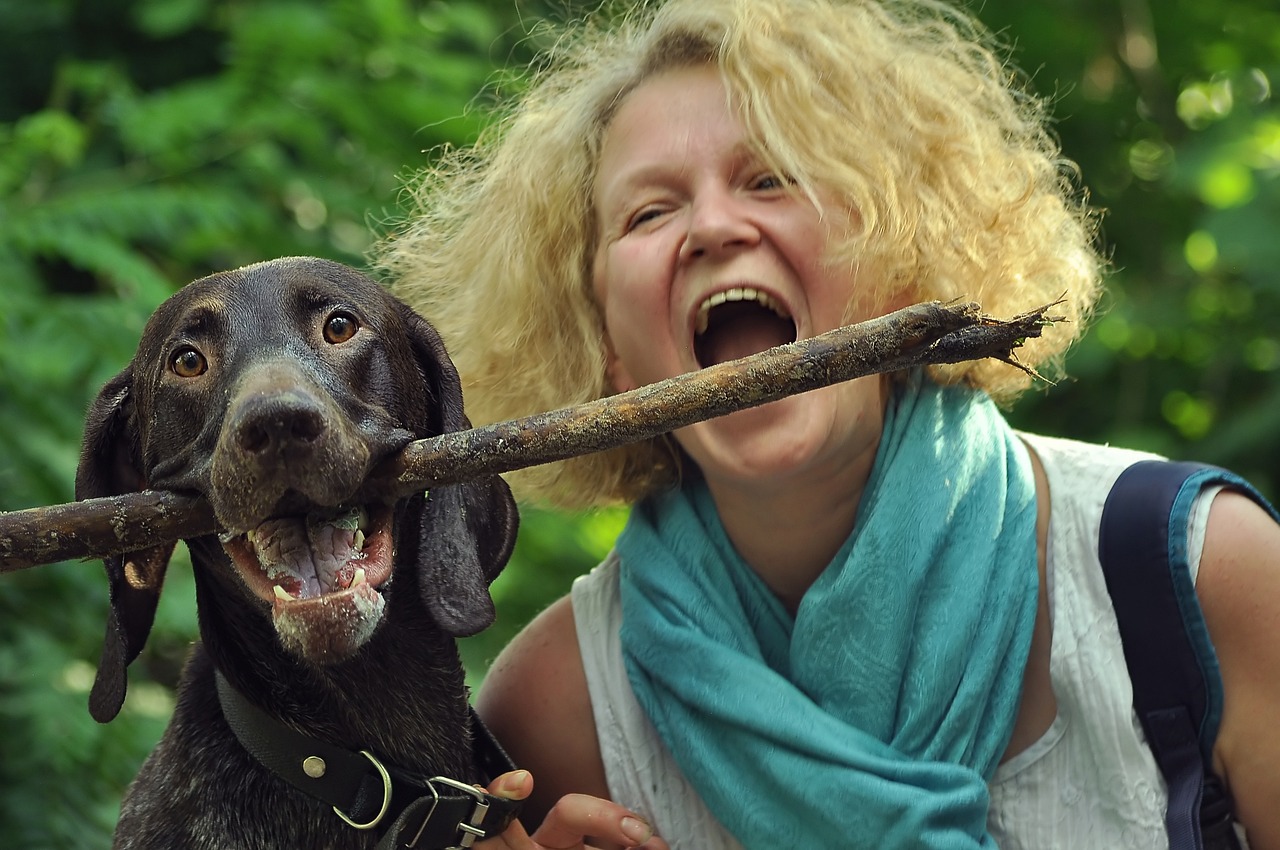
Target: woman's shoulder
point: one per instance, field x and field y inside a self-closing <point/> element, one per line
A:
<point x="597" y="606"/>
<point x="1239" y="591"/>
<point x="1080" y="475"/>
<point x="1082" y="461"/>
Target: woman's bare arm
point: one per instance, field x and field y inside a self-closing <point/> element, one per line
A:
<point x="1239" y="590"/>
<point x="535" y="701"/>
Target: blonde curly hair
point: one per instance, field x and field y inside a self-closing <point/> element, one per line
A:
<point x="902" y="109"/>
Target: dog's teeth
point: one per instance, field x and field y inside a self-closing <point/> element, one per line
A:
<point x="283" y="595"/>
<point x="357" y="542"/>
<point x="357" y="579"/>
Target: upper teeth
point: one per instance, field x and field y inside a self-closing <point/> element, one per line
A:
<point x="738" y="293"/>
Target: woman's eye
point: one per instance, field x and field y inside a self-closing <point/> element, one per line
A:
<point x="187" y="362"/>
<point x="340" y="327"/>
<point x="641" y="217"/>
<point x="766" y="182"/>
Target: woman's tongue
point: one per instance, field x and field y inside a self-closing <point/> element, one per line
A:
<point x="741" y="330"/>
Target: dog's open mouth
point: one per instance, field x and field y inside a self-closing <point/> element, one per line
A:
<point x="321" y="573"/>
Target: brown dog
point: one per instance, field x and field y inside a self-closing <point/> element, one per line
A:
<point x="326" y="617"/>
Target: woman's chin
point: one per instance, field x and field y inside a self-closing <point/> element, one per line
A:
<point x="815" y="434"/>
<point x="761" y="443"/>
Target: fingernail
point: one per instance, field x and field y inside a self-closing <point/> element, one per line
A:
<point x="515" y="781"/>
<point x="636" y="829"/>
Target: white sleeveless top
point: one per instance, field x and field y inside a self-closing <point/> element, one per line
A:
<point x="1089" y="781"/>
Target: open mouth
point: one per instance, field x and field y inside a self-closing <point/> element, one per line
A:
<point x="739" y="322"/>
<point x="320" y="573"/>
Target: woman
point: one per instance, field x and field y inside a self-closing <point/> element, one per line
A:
<point x="829" y="620"/>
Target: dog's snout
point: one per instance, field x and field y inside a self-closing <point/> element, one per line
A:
<point x="278" y="426"/>
<point x="284" y="435"/>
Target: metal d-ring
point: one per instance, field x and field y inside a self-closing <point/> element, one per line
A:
<point x="386" y="796"/>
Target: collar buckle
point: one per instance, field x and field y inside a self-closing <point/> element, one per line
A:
<point x="468" y="830"/>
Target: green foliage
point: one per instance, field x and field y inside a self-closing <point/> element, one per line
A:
<point x="144" y="143"/>
<point x="1168" y="110"/>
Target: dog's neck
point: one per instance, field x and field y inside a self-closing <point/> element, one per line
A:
<point x="403" y="695"/>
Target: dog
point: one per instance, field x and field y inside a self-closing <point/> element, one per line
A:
<point x="326" y="690"/>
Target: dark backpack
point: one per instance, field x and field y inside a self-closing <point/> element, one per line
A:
<point x="1177" y="686"/>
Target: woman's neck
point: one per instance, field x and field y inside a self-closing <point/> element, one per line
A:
<point x="789" y="530"/>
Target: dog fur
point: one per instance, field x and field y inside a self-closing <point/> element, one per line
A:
<point x="275" y="391"/>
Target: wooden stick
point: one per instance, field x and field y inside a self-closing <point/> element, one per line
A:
<point x="914" y="336"/>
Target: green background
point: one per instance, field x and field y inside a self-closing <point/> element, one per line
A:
<point x="144" y="143"/>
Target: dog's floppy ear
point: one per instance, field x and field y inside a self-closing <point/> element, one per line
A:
<point x="467" y="529"/>
<point x="467" y="534"/>
<point x="110" y="465"/>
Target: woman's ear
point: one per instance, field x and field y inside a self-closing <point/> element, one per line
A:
<point x="615" y="373"/>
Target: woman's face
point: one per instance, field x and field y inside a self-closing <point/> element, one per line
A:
<point x="705" y="256"/>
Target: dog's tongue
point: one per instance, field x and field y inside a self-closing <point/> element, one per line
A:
<point x="741" y="329"/>
<point x="309" y="557"/>
<point x="324" y="604"/>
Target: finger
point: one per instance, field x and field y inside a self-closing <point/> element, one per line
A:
<point x="512" y="838"/>
<point x="513" y="785"/>
<point x="577" y="816"/>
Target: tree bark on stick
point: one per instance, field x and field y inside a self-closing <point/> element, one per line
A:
<point x="919" y="335"/>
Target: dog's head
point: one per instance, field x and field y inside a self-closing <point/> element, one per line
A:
<point x="274" y="391"/>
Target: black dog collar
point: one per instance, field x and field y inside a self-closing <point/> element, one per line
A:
<point x="436" y="813"/>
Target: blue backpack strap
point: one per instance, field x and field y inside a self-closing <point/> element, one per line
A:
<point x="1177" y="686"/>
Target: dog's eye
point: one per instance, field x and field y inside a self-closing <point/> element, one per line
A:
<point x="340" y="327"/>
<point x="188" y="363"/>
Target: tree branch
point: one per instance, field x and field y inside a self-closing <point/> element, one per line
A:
<point x="919" y="335"/>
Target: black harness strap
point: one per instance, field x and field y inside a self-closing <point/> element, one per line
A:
<point x="420" y="813"/>
<point x="1176" y="683"/>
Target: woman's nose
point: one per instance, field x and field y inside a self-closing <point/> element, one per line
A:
<point x="717" y="222"/>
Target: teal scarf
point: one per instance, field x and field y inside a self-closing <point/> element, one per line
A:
<point x="875" y="716"/>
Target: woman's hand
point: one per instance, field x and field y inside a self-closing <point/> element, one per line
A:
<point x="574" y="819"/>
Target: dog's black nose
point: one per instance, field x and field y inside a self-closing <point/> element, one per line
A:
<point x="278" y="424"/>
<point x="284" y="435"/>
